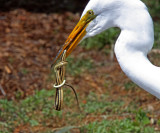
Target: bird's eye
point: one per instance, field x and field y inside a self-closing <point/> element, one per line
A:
<point x="90" y="12"/>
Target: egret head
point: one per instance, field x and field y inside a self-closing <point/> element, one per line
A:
<point x="106" y="11"/>
<point x="98" y="16"/>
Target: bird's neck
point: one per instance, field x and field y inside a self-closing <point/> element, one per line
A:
<point x="131" y="51"/>
<point x="134" y="43"/>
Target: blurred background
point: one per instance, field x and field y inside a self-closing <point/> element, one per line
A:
<point x="48" y="6"/>
<point x="31" y="33"/>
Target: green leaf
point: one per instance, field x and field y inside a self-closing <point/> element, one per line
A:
<point x="65" y="129"/>
<point x="33" y="122"/>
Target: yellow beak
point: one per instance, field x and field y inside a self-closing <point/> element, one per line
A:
<point x="76" y="35"/>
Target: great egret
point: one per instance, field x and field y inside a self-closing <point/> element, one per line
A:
<point x="133" y="44"/>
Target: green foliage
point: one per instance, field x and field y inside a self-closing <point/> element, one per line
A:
<point x="36" y="109"/>
<point x="100" y="104"/>
<point x="76" y="66"/>
<point x="129" y="85"/>
<point x="141" y="118"/>
<point x="95" y="105"/>
<point x="153" y="6"/>
<point x="139" y="125"/>
<point x="33" y="122"/>
<point x="65" y="129"/>
<point x="154" y="9"/>
<point x="116" y="126"/>
<point x="157" y="35"/>
<point x="25" y="111"/>
<point x="99" y="41"/>
<point x="33" y="110"/>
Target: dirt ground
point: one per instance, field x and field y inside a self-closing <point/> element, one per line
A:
<point x="28" y="43"/>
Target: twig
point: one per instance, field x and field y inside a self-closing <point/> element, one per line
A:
<point x="2" y="90"/>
